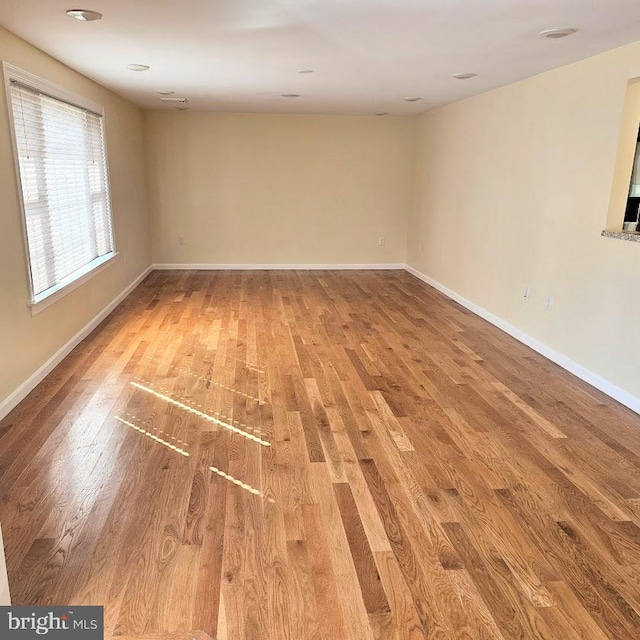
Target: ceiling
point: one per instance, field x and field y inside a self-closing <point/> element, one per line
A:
<point x="367" y="55"/>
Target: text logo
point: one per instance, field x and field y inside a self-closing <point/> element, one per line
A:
<point x="53" y="623"/>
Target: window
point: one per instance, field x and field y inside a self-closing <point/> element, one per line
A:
<point x="632" y="213"/>
<point x="60" y="150"/>
<point x="623" y="218"/>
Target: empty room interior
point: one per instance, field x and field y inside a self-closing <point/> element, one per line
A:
<point x="319" y="320"/>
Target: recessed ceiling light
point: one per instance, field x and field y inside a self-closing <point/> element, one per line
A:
<point x="464" y="76"/>
<point x="305" y="71"/>
<point x="84" y="15"/>
<point x="555" y="34"/>
<point x="182" y="108"/>
<point x="412" y="99"/>
<point x="382" y="113"/>
<point x="165" y="92"/>
<point x="138" y="67"/>
<point x="290" y="95"/>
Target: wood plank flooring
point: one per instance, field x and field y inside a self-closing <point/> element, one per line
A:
<point x="320" y="455"/>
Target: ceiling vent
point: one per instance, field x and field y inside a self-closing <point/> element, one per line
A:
<point x="175" y="100"/>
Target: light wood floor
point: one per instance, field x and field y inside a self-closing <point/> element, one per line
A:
<point x="321" y="456"/>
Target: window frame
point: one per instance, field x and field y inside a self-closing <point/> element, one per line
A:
<point x="38" y="303"/>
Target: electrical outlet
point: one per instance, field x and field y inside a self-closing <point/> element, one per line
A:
<point x="548" y="305"/>
<point x="527" y="293"/>
<point x="182" y="240"/>
<point x="381" y="242"/>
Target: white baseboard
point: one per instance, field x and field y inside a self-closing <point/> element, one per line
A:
<point x="34" y="380"/>
<point x="595" y="380"/>
<point x="276" y="267"/>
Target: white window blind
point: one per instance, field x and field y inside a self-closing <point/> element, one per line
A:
<point x="63" y="174"/>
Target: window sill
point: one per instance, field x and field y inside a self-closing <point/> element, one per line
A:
<point x="72" y="282"/>
<point x="631" y="236"/>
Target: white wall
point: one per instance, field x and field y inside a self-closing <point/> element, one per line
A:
<point x="265" y="189"/>
<point x="27" y="342"/>
<point x="5" y="598"/>
<point x="512" y="189"/>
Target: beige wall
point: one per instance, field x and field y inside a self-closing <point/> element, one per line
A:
<point x="512" y="189"/>
<point x="264" y="189"/>
<point x="27" y="342"/>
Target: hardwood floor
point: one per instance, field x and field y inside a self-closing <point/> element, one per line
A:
<point x="320" y="455"/>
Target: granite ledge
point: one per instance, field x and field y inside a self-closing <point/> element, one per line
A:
<point x="631" y="236"/>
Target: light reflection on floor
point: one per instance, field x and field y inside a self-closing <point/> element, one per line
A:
<point x="230" y="478"/>
<point x="200" y="414"/>
<point x="153" y="437"/>
<point x="138" y="384"/>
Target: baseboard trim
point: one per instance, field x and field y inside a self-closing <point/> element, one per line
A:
<point x="34" y="380"/>
<point x="277" y="267"/>
<point x="617" y="393"/>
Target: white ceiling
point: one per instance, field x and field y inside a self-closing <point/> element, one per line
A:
<point x="367" y="55"/>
